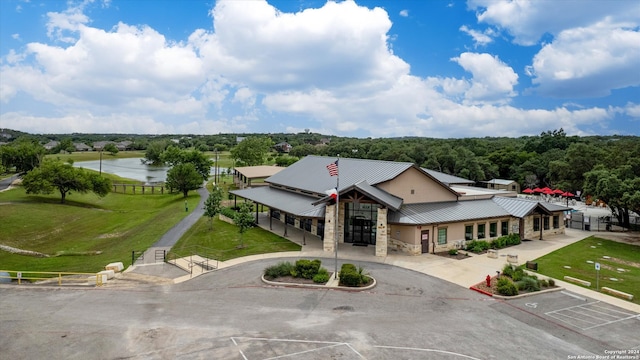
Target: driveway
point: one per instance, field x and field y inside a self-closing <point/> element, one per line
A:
<point x="231" y="314"/>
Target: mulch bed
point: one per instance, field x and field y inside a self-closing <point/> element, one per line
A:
<point x="295" y="280"/>
<point x="494" y="287"/>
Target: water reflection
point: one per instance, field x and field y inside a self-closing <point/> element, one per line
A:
<point x="132" y="168"/>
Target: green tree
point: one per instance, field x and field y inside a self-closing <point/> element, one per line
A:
<point x="173" y="156"/>
<point x="154" y="150"/>
<point x="251" y="151"/>
<point x="24" y="154"/>
<point x="111" y="148"/>
<point x="244" y="220"/>
<point x="183" y="177"/>
<point x="618" y="188"/>
<point x="212" y="205"/>
<point x="53" y="174"/>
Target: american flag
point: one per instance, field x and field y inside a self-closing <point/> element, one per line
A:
<point x="333" y="168"/>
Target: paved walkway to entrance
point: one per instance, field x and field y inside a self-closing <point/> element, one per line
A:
<point x="465" y="272"/>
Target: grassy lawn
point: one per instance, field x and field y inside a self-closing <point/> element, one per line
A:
<point x="85" y="233"/>
<point x="621" y="256"/>
<point x="95" y="155"/>
<point x="221" y="243"/>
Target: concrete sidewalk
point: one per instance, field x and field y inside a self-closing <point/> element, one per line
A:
<point x="466" y="272"/>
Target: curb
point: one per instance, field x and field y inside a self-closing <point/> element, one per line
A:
<point x="502" y="297"/>
<point x="325" y="286"/>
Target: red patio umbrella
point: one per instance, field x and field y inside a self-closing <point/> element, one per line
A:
<point x="558" y="191"/>
<point x="537" y="190"/>
<point x="546" y="190"/>
<point x="567" y="194"/>
<point x="527" y="191"/>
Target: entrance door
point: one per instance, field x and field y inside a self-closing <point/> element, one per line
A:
<point x="362" y="231"/>
<point x="424" y="239"/>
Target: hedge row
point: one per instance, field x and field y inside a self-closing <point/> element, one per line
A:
<point x="352" y="276"/>
<point x="306" y="269"/>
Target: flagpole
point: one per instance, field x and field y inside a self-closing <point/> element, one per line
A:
<point x="337" y="221"/>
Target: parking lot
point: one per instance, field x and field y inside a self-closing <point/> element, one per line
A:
<point x="231" y="314"/>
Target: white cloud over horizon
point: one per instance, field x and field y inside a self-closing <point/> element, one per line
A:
<point x="332" y="65"/>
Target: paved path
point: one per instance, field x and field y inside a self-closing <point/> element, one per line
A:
<point x="6" y="183"/>
<point x="465" y="272"/>
<point x="172" y="236"/>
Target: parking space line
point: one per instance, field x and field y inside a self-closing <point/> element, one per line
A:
<point x="329" y="344"/>
<point x="427" y="350"/>
<point x="589" y="316"/>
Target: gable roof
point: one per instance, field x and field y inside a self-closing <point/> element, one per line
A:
<point x="446" y="212"/>
<point x="287" y="201"/>
<point x="519" y="207"/>
<point x="310" y="173"/>
<point x="382" y="197"/>
<point x="446" y="178"/>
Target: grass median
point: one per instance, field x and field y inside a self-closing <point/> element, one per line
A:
<point x="619" y="264"/>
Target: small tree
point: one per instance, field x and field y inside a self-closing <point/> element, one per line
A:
<point x="111" y="148"/>
<point x="244" y="219"/>
<point x="54" y="174"/>
<point x="212" y="204"/>
<point x="183" y="177"/>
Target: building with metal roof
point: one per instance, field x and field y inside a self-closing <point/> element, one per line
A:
<point x="396" y="205"/>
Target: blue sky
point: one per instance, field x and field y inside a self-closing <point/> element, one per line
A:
<point x="374" y="68"/>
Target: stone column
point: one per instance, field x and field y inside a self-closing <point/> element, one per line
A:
<point x="329" y="229"/>
<point x="381" y="232"/>
<point x="314" y="226"/>
<point x="341" y="223"/>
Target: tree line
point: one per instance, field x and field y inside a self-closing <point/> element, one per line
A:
<point x="605" y="167"/>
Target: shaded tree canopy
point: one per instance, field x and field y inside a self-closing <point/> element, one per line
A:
<point x="24" y="154"/>
<point x="251" y="151"/>
<point x="183" y="177"/>
<point x="53" y="174"/>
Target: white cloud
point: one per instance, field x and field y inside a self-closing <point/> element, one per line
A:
<point x="633" y="110"/>
<point x="404" y="13"/>
<point x="589" y="61"/>
<point x="479" y="38"/>
<point x="332" y="66"/>
<point x="492" y="81"/>
<point x="527" y="21"/>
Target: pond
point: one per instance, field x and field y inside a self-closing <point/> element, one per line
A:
<point x="131" y="168"/>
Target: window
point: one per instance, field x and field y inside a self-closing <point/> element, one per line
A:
<point x="468" y="232"/>
<point x="442" y="236"/>
<point x="481" y="231"/>
<point x="505" y="228"/>
<point x="546" y="223"/>
<point x="536" y="224"/>
<point x="493" y="229"/>
<point x="556" y="222"/>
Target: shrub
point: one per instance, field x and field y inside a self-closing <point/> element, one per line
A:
<point x="307" y="269"/>
<point x="544" y="283"/>
<point x="552" y="282"/>
<point x="352" y="276"/>
<point x="283" y="268"/>
<point x="453" y="251"/>
<point x="478" y="246"/>
<point x="321" y="277"/>
<point x="506" y="287"/>
<point x="528" y="284"/>
<point x="508" y="270"/>
<point x="228" y="212"/>
<point x="518" y="274"/>
<point x="347" y="267"/>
